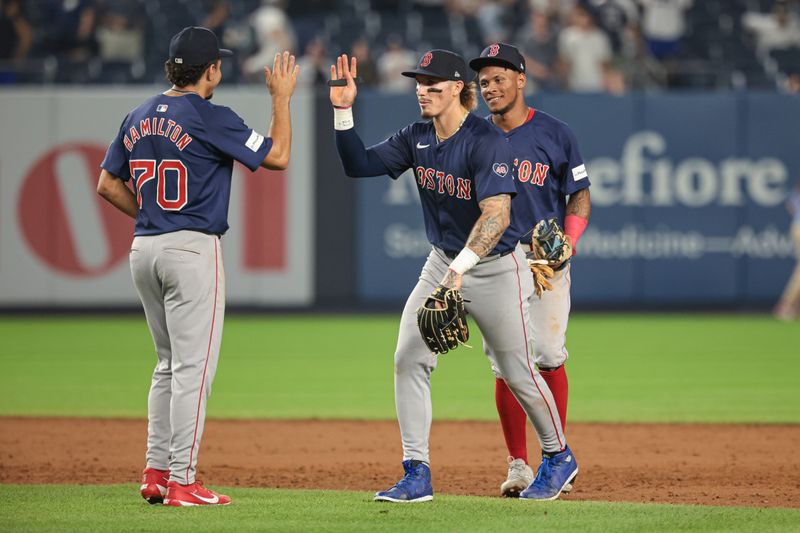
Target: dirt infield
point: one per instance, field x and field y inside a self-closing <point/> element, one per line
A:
<point x="698" y="464"/>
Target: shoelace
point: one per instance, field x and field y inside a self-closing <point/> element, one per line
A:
<point x="517" y="468"/>
<point x="543" y="474"/>
<point x="406" y="480"/>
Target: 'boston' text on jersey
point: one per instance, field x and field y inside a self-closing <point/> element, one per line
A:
<point x="460" y="187"/>
<point x="526" y="172"/>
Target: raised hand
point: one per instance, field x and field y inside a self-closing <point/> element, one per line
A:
<point x="282" y="79"/>
<point x="344" y="70"/>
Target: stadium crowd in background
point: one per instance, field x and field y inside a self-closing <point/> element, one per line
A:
<point x="571" y="45"/>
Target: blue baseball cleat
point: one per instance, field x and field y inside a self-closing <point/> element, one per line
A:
<point x="414" y="487"/>
<point x="554" y="474"/>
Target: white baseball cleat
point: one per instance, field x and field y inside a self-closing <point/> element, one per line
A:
<point x="520" y="476"/>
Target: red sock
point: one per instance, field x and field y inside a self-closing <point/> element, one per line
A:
<point x="559" y="386"/>
<point x="513" y="419"/>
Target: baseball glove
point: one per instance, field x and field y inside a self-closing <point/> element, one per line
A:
<point x="549" y="250"/>
<point x="442" y="320"/>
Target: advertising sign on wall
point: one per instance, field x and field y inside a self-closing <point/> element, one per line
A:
<point x="687" y="199"/>
<point x="61" y="244"/>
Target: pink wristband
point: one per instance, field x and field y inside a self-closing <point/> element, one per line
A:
<point x="574" y="227"/>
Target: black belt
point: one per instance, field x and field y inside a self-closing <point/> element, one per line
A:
<point x="452" y="255"/>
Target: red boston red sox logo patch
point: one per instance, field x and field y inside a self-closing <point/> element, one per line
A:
<point x="426" y="59"/>
<point x="494" y="50"/>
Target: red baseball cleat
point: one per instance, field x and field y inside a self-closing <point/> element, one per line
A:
<point x="154" y="485"/>
<point x="195" y="494"/>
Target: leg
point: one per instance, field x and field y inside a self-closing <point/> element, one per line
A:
<point x="413" y="365"/>
<point x="148" y="286"/>
<point x="788" y="307"/>
<point x="499" y="290"/>
<point x="549" y="318"/>
<point x="194" y="301"/>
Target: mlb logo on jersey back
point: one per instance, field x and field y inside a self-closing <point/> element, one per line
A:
<point x="501" y="169"/>
<point x="161" y="108"/>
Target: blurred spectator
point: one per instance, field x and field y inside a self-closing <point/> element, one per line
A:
<point x="71" y="31"/>
<point x="16" y="35"/>
<point x="777" y="30"/>
<point x="584" y="53"/>
<point x="537" y="42"/>
<point x="494" y="20"/>
<point x="559" y="11"/>
<point x="791" y="84"/>
<point x="392" y="62"/>
<point x="314" y="65"/>
<point x="273" y="35"/>
<point x="218" y="12"/>
<point x="664" y="25"/>
<point x="789" y="305"/>
<point x="616" y="18"/>
<point x="119" y="37"/>
<point x="367" y="70"/>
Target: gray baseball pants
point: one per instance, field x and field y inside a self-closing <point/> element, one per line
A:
<point x="498" y="288"/>
<point x="181" y="282"/>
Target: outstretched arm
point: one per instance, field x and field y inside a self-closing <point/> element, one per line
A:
<point x="281" y="82"/>
<point x="490" y="226"/>
<point x="357" y="161"/>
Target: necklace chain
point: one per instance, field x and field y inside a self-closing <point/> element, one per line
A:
<point x="173" y="89"/>
<point x="439" y="138"/>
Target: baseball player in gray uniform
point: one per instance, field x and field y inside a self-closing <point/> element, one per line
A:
<point x="177" y="149"/>
<point x="549" y="169"/>
<point x="463" y="171"/>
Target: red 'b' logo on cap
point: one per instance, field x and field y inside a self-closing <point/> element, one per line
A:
<point x="494" y="50"/>
<point x="426" y="59"/>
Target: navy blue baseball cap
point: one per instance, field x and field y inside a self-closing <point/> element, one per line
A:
<point x="499" y="55"/>
<point x="442" y="64"/>
<point x="195" y="46"/>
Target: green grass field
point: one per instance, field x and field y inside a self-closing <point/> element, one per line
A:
<point x="649" y="368"/>
<point x="625" y="368"/>
<point x="111" y="508"/>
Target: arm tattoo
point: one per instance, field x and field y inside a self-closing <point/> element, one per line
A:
<point x="495" y="218"/>
<point x="579" y="204"/>
<point x="450" y="279"/>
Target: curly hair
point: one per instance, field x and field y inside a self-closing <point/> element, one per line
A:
<point x="183" y="75"/>
<point x="469" y="96"/>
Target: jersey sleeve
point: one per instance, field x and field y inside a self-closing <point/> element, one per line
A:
<point x="228" y="133"/>
<point x="491" y="167"/>
<point x="116" y="159"/>
<point x="395" y="152"/>
<point x="572" y="174"/>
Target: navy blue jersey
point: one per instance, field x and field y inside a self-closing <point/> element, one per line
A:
<point x="549" y="167"/>
<point x="179" y="152"/>
<point x="453" y="177"/>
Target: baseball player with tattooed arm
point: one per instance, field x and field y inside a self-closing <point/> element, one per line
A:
<point x="549" y="169"/>
<point x="463" y="172"/>
<point x="177" y="149"/>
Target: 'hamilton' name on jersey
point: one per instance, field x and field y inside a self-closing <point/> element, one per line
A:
<point x="157" y="126"/>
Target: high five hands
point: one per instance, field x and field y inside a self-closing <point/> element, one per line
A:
<point x="282" y="79"/>
<point x="343" y="81"/>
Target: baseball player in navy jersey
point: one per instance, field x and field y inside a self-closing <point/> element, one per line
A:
<point x="549" y="169"/>
<point x="462" y="166"/>
<point x="178" y="149"/>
